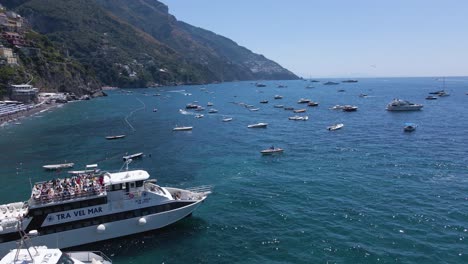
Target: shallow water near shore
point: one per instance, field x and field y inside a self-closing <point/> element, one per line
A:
<point x="367" y="193"/>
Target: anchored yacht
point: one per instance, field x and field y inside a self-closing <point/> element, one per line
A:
<point x="403" y="105"/>
<point x="93" y="207"/>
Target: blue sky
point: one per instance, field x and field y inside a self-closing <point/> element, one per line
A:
<point x="359" y="38"/>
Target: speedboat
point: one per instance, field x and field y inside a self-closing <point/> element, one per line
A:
<point x="350" y="108"/>
<point x="272" y="150"/>
<point x="59" y="166"/>
<point x="303" y="101"/>
<point x="133" y="156"/>
<point x="363" y="95"/>
<point x="443" y="94"/>
<point x="155" y="109"/>
<point x="437" y="92"/>
<point x="254" y="109"/>
<point x="227" y="119"/>
<point x="182" y="128"/>
<point x="337" y="107"/>
<point x="115" y="137"/>
<point x="199" y="116"/>
<point x="403" y="105"/>
<point x="298" y="118"/>
<point x="278" y="106"/>
<point x="258" y="125"/>
<point x="191" y="106"/>
<point x="341" y="90"/>
<point x="409" y="127"/>
<point x="330" y="83"/>
<point x="282" y="86"/>
<point x="278" y="97"/>
<point x="88" y="208"/>
<point x="260" y="85"/>
<point x="312" y="103"/>
<point x="264" y="102"/>
<point x="209" y="104"/>
<point x="212" y="111"/>
<point x="349" y="81"/>
<point x="335" y="127"/>
<point x="430" y="97"/>
<point x="199" y="109"/>
<point x="299" y="111"/>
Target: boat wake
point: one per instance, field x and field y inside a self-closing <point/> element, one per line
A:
<point x="186" y="112"/>
<point x="132" y="112"/>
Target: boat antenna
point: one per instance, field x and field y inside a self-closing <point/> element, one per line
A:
<point x="126" y="162"/>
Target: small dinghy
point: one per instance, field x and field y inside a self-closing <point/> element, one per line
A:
<point x="409" y="127"/>
<point x="58" y="166"/>
<point x="227" y="119"/>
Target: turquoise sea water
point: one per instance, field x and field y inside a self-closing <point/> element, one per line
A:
<point x="368" y="193"/>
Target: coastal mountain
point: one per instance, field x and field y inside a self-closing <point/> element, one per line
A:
<point x="137" y="43"/>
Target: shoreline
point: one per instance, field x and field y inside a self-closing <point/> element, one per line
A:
<point x="39" y="108"/>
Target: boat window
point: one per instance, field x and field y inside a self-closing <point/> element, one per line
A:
<point x="132" y="185"/>
<point x="116" y="187"/>
<point x="139" y="183"/>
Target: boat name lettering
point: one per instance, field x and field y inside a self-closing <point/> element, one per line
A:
<point x="78" y="213"/>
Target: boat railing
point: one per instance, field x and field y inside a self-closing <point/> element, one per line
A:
<point x="201" y="189"/>
<point x="43" y="199"/>
<point x="89" y="256"/>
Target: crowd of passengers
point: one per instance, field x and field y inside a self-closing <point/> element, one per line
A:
<point x="81" y="185"/>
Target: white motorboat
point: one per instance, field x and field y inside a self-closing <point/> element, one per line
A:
<point x="335" y="127"/>
<point x="227" y="119"/>
<point x="100" y="206"/>
<point x="350" y="108"/>
<point x="264" y="102"/>
<point x="298" y="118"/>
<point x="115" y="137"/>
<point x="89" y="168"/>
<point x="254" y="109"/>
<point x="278" y="106"/>
<point x="199" y="116"/>
<point x="272" y="150"/>
<point x="182" y="128"/>
<point x="209" y="104"/>
<point x="212" y="111"/>
<point x="278" y="97"/>
<point x="403" y="105"/>
<point x="299" y="110"/>
<point x="312" y="103"/>
<point x="337" y="107"/>
<point x="258" y="125"/>
<point x="133" y="156"/>
<point x="303" y="101"/>
<point x="59" y="166"/>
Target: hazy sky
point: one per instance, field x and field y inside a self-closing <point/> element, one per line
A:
<point x="342" y="38"/>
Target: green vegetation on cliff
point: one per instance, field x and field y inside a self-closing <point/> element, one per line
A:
<point x="134" y="43"/>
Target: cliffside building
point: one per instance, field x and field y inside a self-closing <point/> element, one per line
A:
<point x="24" y="93"/>
<point x="7" y="55"/>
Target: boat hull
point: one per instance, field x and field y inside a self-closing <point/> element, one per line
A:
<point x="86" y="235"/>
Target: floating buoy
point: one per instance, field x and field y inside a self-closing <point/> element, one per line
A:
<point x="141" y="221"/>
<point x="101" y="228"/>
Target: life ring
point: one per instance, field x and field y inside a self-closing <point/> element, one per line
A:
<point x="130" y="195"/>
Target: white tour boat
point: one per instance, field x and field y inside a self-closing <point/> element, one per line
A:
<point x="403" y="105"/>
<point x="94" y="207"/>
